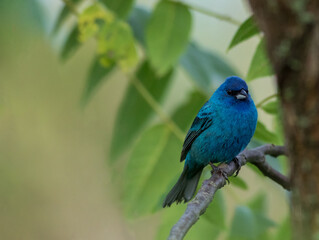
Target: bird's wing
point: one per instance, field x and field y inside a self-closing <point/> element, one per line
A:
<point x="202" y="121"/>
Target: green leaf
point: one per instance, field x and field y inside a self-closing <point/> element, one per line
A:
<point x="250" y="222"/>
<point x="284" y="231"/>
<point x="244" y="226"/>
<point x="263" y="134"/>
<point x="259" y="66"/>
<point x="134" y="111"/>
<point x="64" y="14"/>
<point x="271" y="107"/>
<point x="91" y="20"/>
<point x="186" y="112"/>
<point x="114" y="37"/>
<point x="259" y="203"/>
<point x="96" y="74"/>
<point x="152" y="158"/>
<point x="203" y="230"/>
<point x="167" y="163"/>
<point x="207" y="69"/>
<point x="116" y="44"/>
<point x="259" y="206"/>
<point x="245" y="31"/>
<point x="263" y="224"/>
<point x="167" y="34"/>
<point x="138" y="20"/>
<point x="183" y="117"/>
<point x="239" y="182"/>
<point x="216" y="212"/>
<point x="168" y="218"/>
<point x="120" y="7"/>
<point x="71" y="44"/>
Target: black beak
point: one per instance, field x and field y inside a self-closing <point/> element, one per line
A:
<point x="242" y="95"/>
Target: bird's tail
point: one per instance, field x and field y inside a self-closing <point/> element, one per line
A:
<point x="184" y="189"/>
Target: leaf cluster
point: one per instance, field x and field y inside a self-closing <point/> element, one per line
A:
<point x="150" y="46"/>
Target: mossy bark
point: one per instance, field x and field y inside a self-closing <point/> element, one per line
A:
<point x="292" y="37"/>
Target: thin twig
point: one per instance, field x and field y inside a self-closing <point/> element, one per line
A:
<point x="211" y="13"/>
<point x="145" y="94"/>
<point x="206" y="193"/>
<point x="258" y="105"/>
<point x="157" y="108"/>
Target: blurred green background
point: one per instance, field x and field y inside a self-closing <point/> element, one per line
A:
<point x="55" y="180"/>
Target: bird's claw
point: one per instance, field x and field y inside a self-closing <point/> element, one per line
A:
<point x="238" y="166"/>
<point x="220" y="171"/>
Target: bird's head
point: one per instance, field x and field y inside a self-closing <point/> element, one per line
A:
<point x="233" y="90"/>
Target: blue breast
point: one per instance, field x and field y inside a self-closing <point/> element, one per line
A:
<point x="229" y="134"/>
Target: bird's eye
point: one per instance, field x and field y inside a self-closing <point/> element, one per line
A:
<point x="229" y="92"/>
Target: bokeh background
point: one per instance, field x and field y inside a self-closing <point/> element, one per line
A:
<point x="55" y="180"/>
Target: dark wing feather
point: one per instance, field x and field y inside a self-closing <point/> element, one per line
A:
<point x="199" y="125"/>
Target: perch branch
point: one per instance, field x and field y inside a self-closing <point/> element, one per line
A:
<point x="207" y="191"/>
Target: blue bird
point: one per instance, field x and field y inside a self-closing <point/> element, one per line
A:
<point x="222" y="129"/>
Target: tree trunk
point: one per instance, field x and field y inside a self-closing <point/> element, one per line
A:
<point x="291" y="29"/>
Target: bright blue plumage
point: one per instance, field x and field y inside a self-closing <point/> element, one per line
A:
<point x="221" y="130"/>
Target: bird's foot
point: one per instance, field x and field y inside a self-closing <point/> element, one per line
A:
<point x="236" y="161"/>
<point x="219" y="171"/>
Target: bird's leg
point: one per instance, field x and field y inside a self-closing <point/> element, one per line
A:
<point x="219" y="170"/>
<point x="236" y="161"/>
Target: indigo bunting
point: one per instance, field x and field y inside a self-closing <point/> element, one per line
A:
<point x="221" y="130"/>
